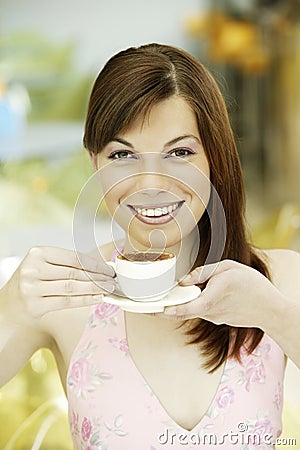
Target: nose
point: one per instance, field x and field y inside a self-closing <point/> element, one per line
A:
<point x="152" y="178"/>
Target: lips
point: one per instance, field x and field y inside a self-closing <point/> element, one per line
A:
<point x="156" y="214"/>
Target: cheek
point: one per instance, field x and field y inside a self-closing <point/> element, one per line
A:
<point x="199" y="210"/>
<point x="194" y="178"/>
<point x="114" y="188"/>
<point x="117" y="176"/>
<point x="113" y="200"/>
<point x="201" y="187"/>
<point x="201" y="196"/>
<point x="188" y="218"/>
<point x="197" y="186"/>
<point x="119" y="211"/>
<point x="111" y="203"/>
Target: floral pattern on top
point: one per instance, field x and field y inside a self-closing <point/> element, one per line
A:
<point x="120" y="344"/>
<point x="111" y="406"/>
<point x="103" y="315"/>
<point x="260" y="432"/>
<point x="91" y="435"/>
<point x="278" y="397"/>
<point x="84" y="375"/>
<point x="254" y="373"/>
<point x="253" y="366"/>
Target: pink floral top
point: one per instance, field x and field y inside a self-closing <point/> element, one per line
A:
<point x="112" y="407"/>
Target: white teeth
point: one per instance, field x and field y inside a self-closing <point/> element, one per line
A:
<point x="157" y="212"/>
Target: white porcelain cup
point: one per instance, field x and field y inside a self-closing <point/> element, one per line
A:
<point x="145" y="276"/>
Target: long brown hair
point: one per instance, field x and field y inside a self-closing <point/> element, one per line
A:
<point x="128" y="86"/>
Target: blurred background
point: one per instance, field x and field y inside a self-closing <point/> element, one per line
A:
<point x="50" y="53"/>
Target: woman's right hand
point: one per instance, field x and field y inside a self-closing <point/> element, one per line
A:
<point x="50" y="279"/>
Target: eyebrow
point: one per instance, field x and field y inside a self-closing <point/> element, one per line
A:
<point x="168" y="144"/>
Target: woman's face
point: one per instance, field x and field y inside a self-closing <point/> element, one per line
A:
<point x="155" y="175"/>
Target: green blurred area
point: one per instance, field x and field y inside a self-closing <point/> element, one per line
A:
<point x="33" y="408"/>
<point x="41" y="190"/>
<point x="45" y="187"/>
<point x="44" y="183"/>
<point x="47" y="70"/>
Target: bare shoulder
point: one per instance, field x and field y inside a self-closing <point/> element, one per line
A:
<point x="284" y="266"/>
<point x="283" y="259"/>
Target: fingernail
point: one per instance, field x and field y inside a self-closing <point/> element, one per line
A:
<point x="170" y="311"/>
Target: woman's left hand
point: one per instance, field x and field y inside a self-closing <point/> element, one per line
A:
<point x="235" y="294"/>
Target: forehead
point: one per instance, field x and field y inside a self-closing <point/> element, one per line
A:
<point x="167" y="119"/>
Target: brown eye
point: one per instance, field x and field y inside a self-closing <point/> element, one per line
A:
<point x="180" y="152"/>
<point x="121" y="154"/>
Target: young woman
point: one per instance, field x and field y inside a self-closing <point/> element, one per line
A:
<point x="206" y="373"/>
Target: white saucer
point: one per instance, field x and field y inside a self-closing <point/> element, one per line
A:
<point x="177" y="296"/>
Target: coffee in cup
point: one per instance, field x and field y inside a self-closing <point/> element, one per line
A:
<point x="146" y="276"/>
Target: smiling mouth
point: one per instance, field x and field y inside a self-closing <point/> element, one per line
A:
<point x="156" y="214"/>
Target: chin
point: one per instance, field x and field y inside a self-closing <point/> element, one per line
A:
<point x="157" y="238"/>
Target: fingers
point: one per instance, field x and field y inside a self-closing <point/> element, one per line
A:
<point x="74" y="288"/>
<point x="189" y="310"/>
<point x="62" y="257"/>
<point x="49" y="304"/>
<point x="203" y="307"/>
<point x="204" y="273"/>
<point x="51" y="278"/>
<point x="54" y="272"/>
<point x="61" y="294"/>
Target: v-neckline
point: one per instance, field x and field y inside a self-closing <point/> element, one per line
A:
<point x="161" y="406"/>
